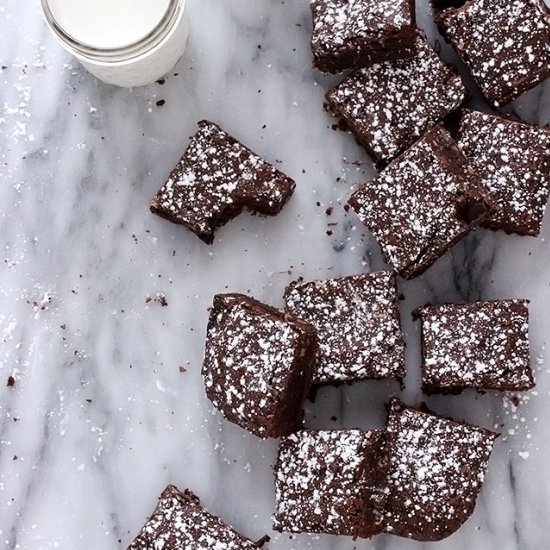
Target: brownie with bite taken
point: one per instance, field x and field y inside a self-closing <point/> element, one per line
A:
<point x="215" y="180"/>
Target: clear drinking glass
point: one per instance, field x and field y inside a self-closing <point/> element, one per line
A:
<point x="136" y="64"/>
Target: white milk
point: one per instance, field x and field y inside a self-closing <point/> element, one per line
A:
<point x="108" y="23"/>
<point x="101" y="31"/>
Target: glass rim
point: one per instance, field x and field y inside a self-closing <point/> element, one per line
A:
<point x="117" y="54"/>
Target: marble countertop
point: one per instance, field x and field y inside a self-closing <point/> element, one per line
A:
<point x="108" y="404"/>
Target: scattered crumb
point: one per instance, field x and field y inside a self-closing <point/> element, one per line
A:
<point x="11" y="381"/>
<point x="160" y="102"/>
<point x="159" y="298"/>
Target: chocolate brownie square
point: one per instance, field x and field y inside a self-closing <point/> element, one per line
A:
<point x="505" y="44"/>
<point x="481" y="345"/>
<point x="390" y="105"/>
<point x="513" y="161"/>
<point x="422" y="203"/>
<point x="357" y="321"/>
<point x="356" y="33"/>
<point x="436" y="469"/>
<point x="330" y="482"/>
<point x="180" y="521"/>
<point x="258" y="364"/>
<point x="215" y="179"/>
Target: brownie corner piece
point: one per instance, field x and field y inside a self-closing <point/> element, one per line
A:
<point x="422" y="203"/>
<point x="504" y="43"/>
<point x="330" y="482"/>
<point x="480" y="345"/>
<point x="436" y="468"/>
<point x="513" y="160"/>
<point x="358" y="325"/>
<point x="258" y="364"/>
<point x="215" y="179"/>
<point x="388" y="106"/>
<point x="179" y="521"/>
<point x="355" y="33"/>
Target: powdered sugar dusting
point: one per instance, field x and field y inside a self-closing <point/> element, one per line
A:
<point x="325" y="483"/>
<point x="179" y="521"/>
<point x="412" y="207"/>
<point x="482" y="345"/>
<point x="216" y="178"/>
<point x="505" y="43"/>
<point x="357" y="320"/>
<point x="252" y="355"/>
<point x="389" y="105"/>
<point x="513" y="160"/>
<point x="348" y="32"/>
<point x="436" y="470"/>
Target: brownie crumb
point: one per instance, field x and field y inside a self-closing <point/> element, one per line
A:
<point x="329" y="211"/>
<point x="266" y="538"/>
<point x="161" y="299"/>
<point x="182" y="369"/>
<point x="11" y="381"/>
<point x="160" y="102"/>
<point x="161" y="81"/>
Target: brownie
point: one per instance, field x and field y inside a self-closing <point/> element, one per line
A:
<point x="180" y="521"/>
<point x="436" y="469"/>
<point x="390" y="105"/>
<point x="258" y="364"/>
<point x="481" y="345"/>
<point x="505" y="44"/>
<point x="513" y="160"/>
<point x="215" y="179"/>
<point x="356" y="33"/>
<point x="330" y="482"/>
<point x="422" y="203"/>
<point x="357" y="321"/>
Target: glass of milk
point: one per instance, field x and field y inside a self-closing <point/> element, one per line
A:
<point x="122" y="42"/>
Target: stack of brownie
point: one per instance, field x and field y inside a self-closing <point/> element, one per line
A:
<point x="420" y="476"/>
<point x="433" y="190"/>
<point x="417" y="478"/>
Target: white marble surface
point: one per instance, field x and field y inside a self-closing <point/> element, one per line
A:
<point x="100" y="418"/>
